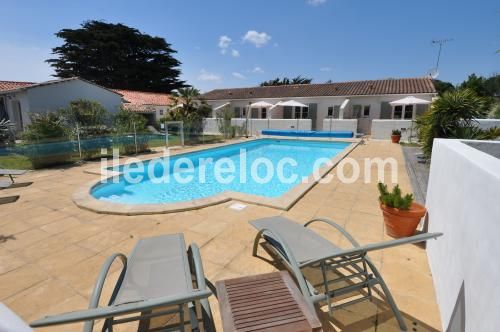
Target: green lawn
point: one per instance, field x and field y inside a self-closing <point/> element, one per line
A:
<point x="15" y="161"/>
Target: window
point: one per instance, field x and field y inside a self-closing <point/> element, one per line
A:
<point x="255" y="113"/>
<point x="366" y="111"/>
<point x="263" y="113"/>
<point x="408" y="112"/>
<point x="330" y="112"/>
<point x="398" y="112"/>
<point x="356" y="111"/>
<point x="297" y="112"/>
<point x="161" y="112"/>
<point x="305" y="113"/>
<point x="236" y="112"/>
<point x="244" y="112"/>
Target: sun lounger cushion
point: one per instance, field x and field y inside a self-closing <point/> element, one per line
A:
<point x="304" y="243"/>
<point x="158" y="266"/>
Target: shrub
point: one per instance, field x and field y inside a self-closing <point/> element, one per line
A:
<point x="124" y="124"/>
<point x="125" y="119"/>
<point x="44" y="135"/>
<point x="7" y="136"/>
<point x="448" y="115"/>
<point x="45" y="126"/>
<point x="394" y="199"/>
<point x="85" y="113"/>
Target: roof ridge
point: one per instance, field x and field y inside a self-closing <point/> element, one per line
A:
<point x="332" y="83"/>
<point x="24" y="82"/>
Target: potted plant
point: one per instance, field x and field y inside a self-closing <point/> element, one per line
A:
<point x="396" y="135"/>
<point x="401" y="214"/>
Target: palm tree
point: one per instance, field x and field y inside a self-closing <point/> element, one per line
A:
<point x="449" y="115"/>
<point x="286" y="81"/>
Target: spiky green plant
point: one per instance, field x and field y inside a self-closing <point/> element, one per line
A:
<point x="448" y="114"/>
<point x="394" y="199"/>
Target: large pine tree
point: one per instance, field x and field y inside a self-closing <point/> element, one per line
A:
<point x="117" y="56"/>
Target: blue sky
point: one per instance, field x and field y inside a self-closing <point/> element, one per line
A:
<point x="241" y="43"/>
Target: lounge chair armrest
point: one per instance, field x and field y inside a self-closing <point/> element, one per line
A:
<point x="285" y="254"/>
<point x="335" y="225"/>
<point x="96" y="293"/>
<point x="117" y="310"/>
<point x="377" y="246"/>
<point x="194" y="251"/>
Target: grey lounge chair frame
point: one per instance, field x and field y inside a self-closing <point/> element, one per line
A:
<point x="354" y="259"/>
<point x="10" y="173"/>
<point x="142" y="309"/>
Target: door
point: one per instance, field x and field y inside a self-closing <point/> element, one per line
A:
<point x="362" y="114"/>
<point x="17" y="116"/>
<point x="287" y="112"/>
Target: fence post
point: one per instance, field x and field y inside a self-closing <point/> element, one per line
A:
<point x="78" y="138"/>
<point x="135" y="139"/>
<point x="331" y="120"/>
<point x="182" y="133"/>
<point x="166" y="134"/>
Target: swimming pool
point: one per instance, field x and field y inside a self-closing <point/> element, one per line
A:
<point x="307" y="154"/>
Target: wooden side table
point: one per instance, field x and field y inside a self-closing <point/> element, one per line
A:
<point x="268" y="302"/>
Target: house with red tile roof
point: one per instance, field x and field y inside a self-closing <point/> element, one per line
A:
<point x="20" y="99"/>
<point x="152" y="105"/>
<point x="357" y="101"/>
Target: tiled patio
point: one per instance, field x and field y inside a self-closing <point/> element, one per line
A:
<point x="51" y="250"/>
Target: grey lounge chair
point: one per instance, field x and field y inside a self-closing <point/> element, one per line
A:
<point x="11" y="173"/>
<point x="300" y="247"/>
<point x="159" y="273"/>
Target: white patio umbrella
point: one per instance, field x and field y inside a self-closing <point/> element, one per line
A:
<point x="263" y="104"/>
<point x="410" y="100"/>
<point x="292" y="103"/>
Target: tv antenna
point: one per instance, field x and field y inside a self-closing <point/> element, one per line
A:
<point x="435" y="71"/>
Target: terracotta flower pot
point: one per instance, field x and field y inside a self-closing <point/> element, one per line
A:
<point x="395" y="138"/>
<point x="402" y="223"/>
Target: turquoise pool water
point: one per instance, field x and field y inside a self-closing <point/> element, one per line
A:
<point x="162" y="181"/>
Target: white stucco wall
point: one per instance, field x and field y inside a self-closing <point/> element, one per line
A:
<point x="341" y="124"/>
<point x="325" y="102"/>
<point x="488" y="123"/>
<point x="52" y="97"/>
<point x="255" y="126"/>
<point x="463" y="203"/>
<point x="382" y="129"/>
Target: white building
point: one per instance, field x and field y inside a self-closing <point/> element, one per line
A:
<point x="19" y="99"/>
<point x="361" y="101"/>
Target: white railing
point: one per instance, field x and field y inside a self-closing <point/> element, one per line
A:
<point x="255" y="126"/>
<point x="340" y="124"/>
<point x="462" y="200"/>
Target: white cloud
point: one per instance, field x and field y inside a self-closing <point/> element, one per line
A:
<point x="325" y="69"/>
<point x="257" y="70"/>
<point x="224" y="42"/>
<point x="316" y="2"/>
<point x="207" y="76"/>
<point x="239" y="75"/>
<point x="235" y="53"/>
<point x="259" y="39"/>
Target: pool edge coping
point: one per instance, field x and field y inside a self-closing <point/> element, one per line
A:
<point x="83" y="198"/>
